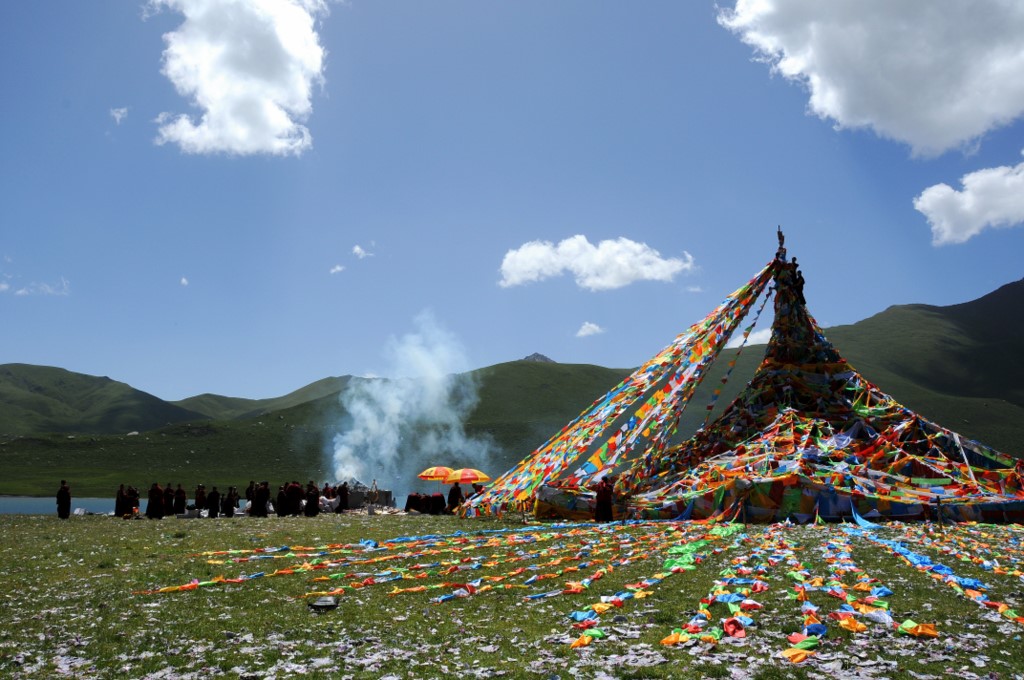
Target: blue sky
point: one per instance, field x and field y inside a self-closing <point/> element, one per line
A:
<point x="241" y="198"/>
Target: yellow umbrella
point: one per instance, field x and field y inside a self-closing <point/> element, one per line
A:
<point x="466" y="476"/>
<point x="438" y="473"/>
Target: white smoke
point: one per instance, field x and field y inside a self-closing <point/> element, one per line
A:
<point x="403" y="425"/>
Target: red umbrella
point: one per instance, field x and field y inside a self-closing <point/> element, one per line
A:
<point x="466" y="476"/>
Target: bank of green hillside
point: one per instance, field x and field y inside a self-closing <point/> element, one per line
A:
<point x="957" y="366"/>
<point x="972" y="349"/>
<point x="521" y="405"/>
<point x="286" y="445"/>
<point x="49" y="399"/>
<point x="220" y="407"/>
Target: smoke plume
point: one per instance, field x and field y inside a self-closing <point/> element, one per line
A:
<point x="397" y="427"/>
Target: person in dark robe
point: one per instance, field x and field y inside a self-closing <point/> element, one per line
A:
<point x="200" y="498"/>
<point x="603" y="501"/>
<point x="63" y="500"/>
<point x="155" y="504"/>
<point x="230" y="502"/>
<point x="295" y="497"/>
<point x="281" y="506"/>
<point x="213" y="503"/>
<point x="133" y="501"/>
<point x="180" y="500"/>
<point x="168" y="499"/>
<point x="250" y="491"/>
<point x="260" y="498"/>
<point x="798" y="282"/>
<point x="312" y="500"/>
<point x="342" y="498"/>
<point x="454" y="498"/>
<point x="121" y="503"/>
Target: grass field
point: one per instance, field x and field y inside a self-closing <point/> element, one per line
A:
<point x="71" y="594"/>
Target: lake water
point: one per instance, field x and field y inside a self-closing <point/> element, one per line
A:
<point x="33" y="505"/>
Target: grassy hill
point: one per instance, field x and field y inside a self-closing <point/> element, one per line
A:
<point x="220" y="407"/>
<point x="287" y="444"/>
<point x="959" y="365"/>
<point x="47" y="399"/>
<point x="522" y="403"/>
<point x="955" y="365"/>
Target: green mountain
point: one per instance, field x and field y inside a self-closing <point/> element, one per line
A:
<point x="228" y="408"/>
<point x="47" y="399"/>
<point x="522" y="403"/>
<point x="956" y="365"/>
<point x="971" y="349"/>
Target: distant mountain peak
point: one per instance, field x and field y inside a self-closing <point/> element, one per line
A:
<point x="536" y="356"/>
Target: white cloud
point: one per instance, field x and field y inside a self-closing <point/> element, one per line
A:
<point x="119" y="114"/>
<point x="360" y="252"/>
<point x="62" y="289"/>
<point x="694" y="289"/>
<point x="993" y="197"/>
<point x="250" y="67"/>
<point x="337" y="269"/>
<point x="4" y="286"/>
<point x="184" y="281"/>
<point x="936" y="76"/>
<point x="610" y="264"/>
<point x="588" y="329"/>
<point x="760" y="337"/>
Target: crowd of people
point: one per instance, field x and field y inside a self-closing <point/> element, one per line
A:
<point x="292" y="499"/>
<point x="434" y="504"/>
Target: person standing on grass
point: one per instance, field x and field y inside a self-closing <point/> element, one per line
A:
<point x="295" y="496"/>
<point x="200" y="498"/>
<point x="155" y="506"/>
<point x="260" y="498"/>
<point x="121" y="502"/>
<point x="132" y="498"/>
<point x="213" y="503"/>
<point x="230" y="502"/>
<point x="168" y="499"/>
<point x="281" y="506"/>
<point x="64" y="500"/>
<point x="603" y="501"/>
<point x="454" y="498"/>
<point x="180" y="500"/>
<point x="342" y="498"/>
<point x="312" y="500"/>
